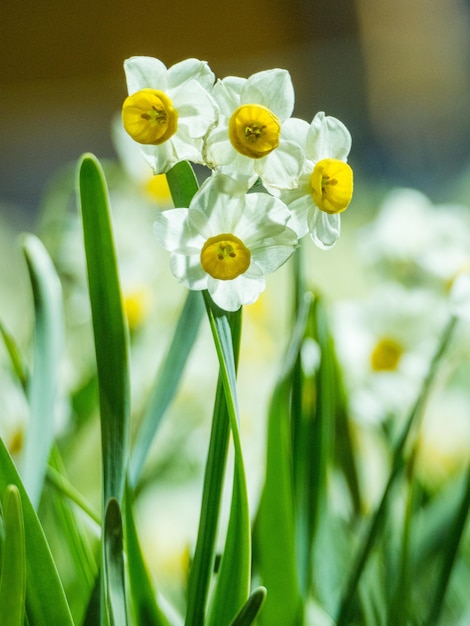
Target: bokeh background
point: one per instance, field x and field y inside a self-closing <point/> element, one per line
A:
<point x="397" y="74"/>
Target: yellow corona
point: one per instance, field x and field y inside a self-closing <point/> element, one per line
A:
<point x="225" y="257"/>
<point x="149" y="116"/>
<point x="332" y="185"/>
<point x="254" y="130"/>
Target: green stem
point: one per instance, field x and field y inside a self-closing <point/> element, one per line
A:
<point x="203" y="562"/>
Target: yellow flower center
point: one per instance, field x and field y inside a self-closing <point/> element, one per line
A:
<point x="332" y="185"/>
<point x="149" y="116"/>
<point x="136" y="306"/>
<point x="225" y="257"/>
<point x="386" y="355"/>
<point x="254" y="130"/>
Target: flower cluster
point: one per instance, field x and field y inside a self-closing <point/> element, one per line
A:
<point x="227" y="240"/>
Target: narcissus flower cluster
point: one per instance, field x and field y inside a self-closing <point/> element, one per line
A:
<point x="242" y="129"/>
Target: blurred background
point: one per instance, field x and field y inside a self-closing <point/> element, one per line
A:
<point x="396" y="73"/>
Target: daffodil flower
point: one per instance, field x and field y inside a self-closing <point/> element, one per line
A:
<point x="168" y="111"/>
<point x="326" y="183"/>
<point x="249" y="143"/>
<point x="226" y="241"/>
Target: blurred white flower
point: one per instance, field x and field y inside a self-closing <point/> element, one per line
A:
<point x="385" y="343"/>
<point x="417" y="242"/>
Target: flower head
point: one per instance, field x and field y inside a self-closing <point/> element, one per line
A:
<point x="168" y="111"/>
<point x="249" y="143"/>
<point x="326" y="183"/>
<point x="226" y="241"/>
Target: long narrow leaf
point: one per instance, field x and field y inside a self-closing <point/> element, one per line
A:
<point x="43" y="382"/>
<point x="13" y="570"/>
<point x="249" y="611"/>
<point x="274" y="531"/>
<point x="233" y="580"/>
<point x="377" y="521"/>
<point x="114" y="565"/>
<point x="109" y="327"/>
<point x="145" y="608"/>
<point x="15" y="357"/>
<point x="167" y="381"/>
<point x="45" y="598"/>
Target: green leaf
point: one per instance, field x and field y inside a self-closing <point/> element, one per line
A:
<point x="249" y="611"/>
<point x="378" y="519"/>
<point x="15" y="356"/>
<point x="182" y="183"/>
<point x="45" y="598"/>
<point x="202" y="567"/>
<point x="274" y="531"/>
<point x="449" y="547"/>
<point x="47" y="350"/>
<point x="110" y="331"/>
<point x="145" y="608"/>
<point x="233" y="580"/>
<point x="13" y="569"/>
<point x="113" y="560"/>
<point x="167" y="381"/>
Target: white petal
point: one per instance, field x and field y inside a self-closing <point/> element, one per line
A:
<point x="176" y="233"/>
<point x="230" y="295"/>
<point x="191" y="69"/>
<point x="196" y="109"/>
<point x="460" y="296"/>
<point x="145" y="72"/>
<point x="271" y="88"/>
<point x="160" y="158"/>
<point x="188" y="271"/>
<point x="328" y="138"/>
<point x="300" y="209"/>
<point x="227" y="94"/>
<point x="325" y="229"/>
<point x="271" y="254"/>
<point x="296" y="130"/>
<point x="282" y="167"/>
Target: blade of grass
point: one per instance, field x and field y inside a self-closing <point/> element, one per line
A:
<point x="167" y="381"/>
<point x="109" y="326"/>
<point x="202" y="567"/>
<point x="249" y="611"/>
<point x="449" y="548"/>
<point x="43" y="381"/>
<point x="13" y="569"/>
<point x="45" y="598"/>
<point x="145" y="608"/>
<point x="113" y="561"/>
<point x="274" y="531"/>
<point x="15" y="356"/>
<point x="376" y="523"/>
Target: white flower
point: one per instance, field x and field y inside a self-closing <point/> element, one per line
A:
<point x="459" y="295"/>
<point x="226" y="241"/>
<point x="385" y="344"/>
<point x="249" y="140"/>
<point x="326" y="183"/>
<point x="168" y="111"/>
<point x="417" y="241"/>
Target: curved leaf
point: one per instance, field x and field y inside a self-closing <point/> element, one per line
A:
<point x="109" y="326"/>
<point x="13" y="570"/>
<point x="45" y="598"/>
<point x="43" y="381"/>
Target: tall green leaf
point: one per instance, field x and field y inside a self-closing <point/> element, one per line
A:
<point x="13" y="566"/>
<point x="47" y="350"/>
<point x="233" y="580"/>
<point x="145" y="608"/>
<point x="274" y="532"/>
<point x="45" y="598"/>
<point x="167" y="381"/>
<point x="374" y="529"/>
<point x="110" y="332"/>
<point x="113" y="561"/>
